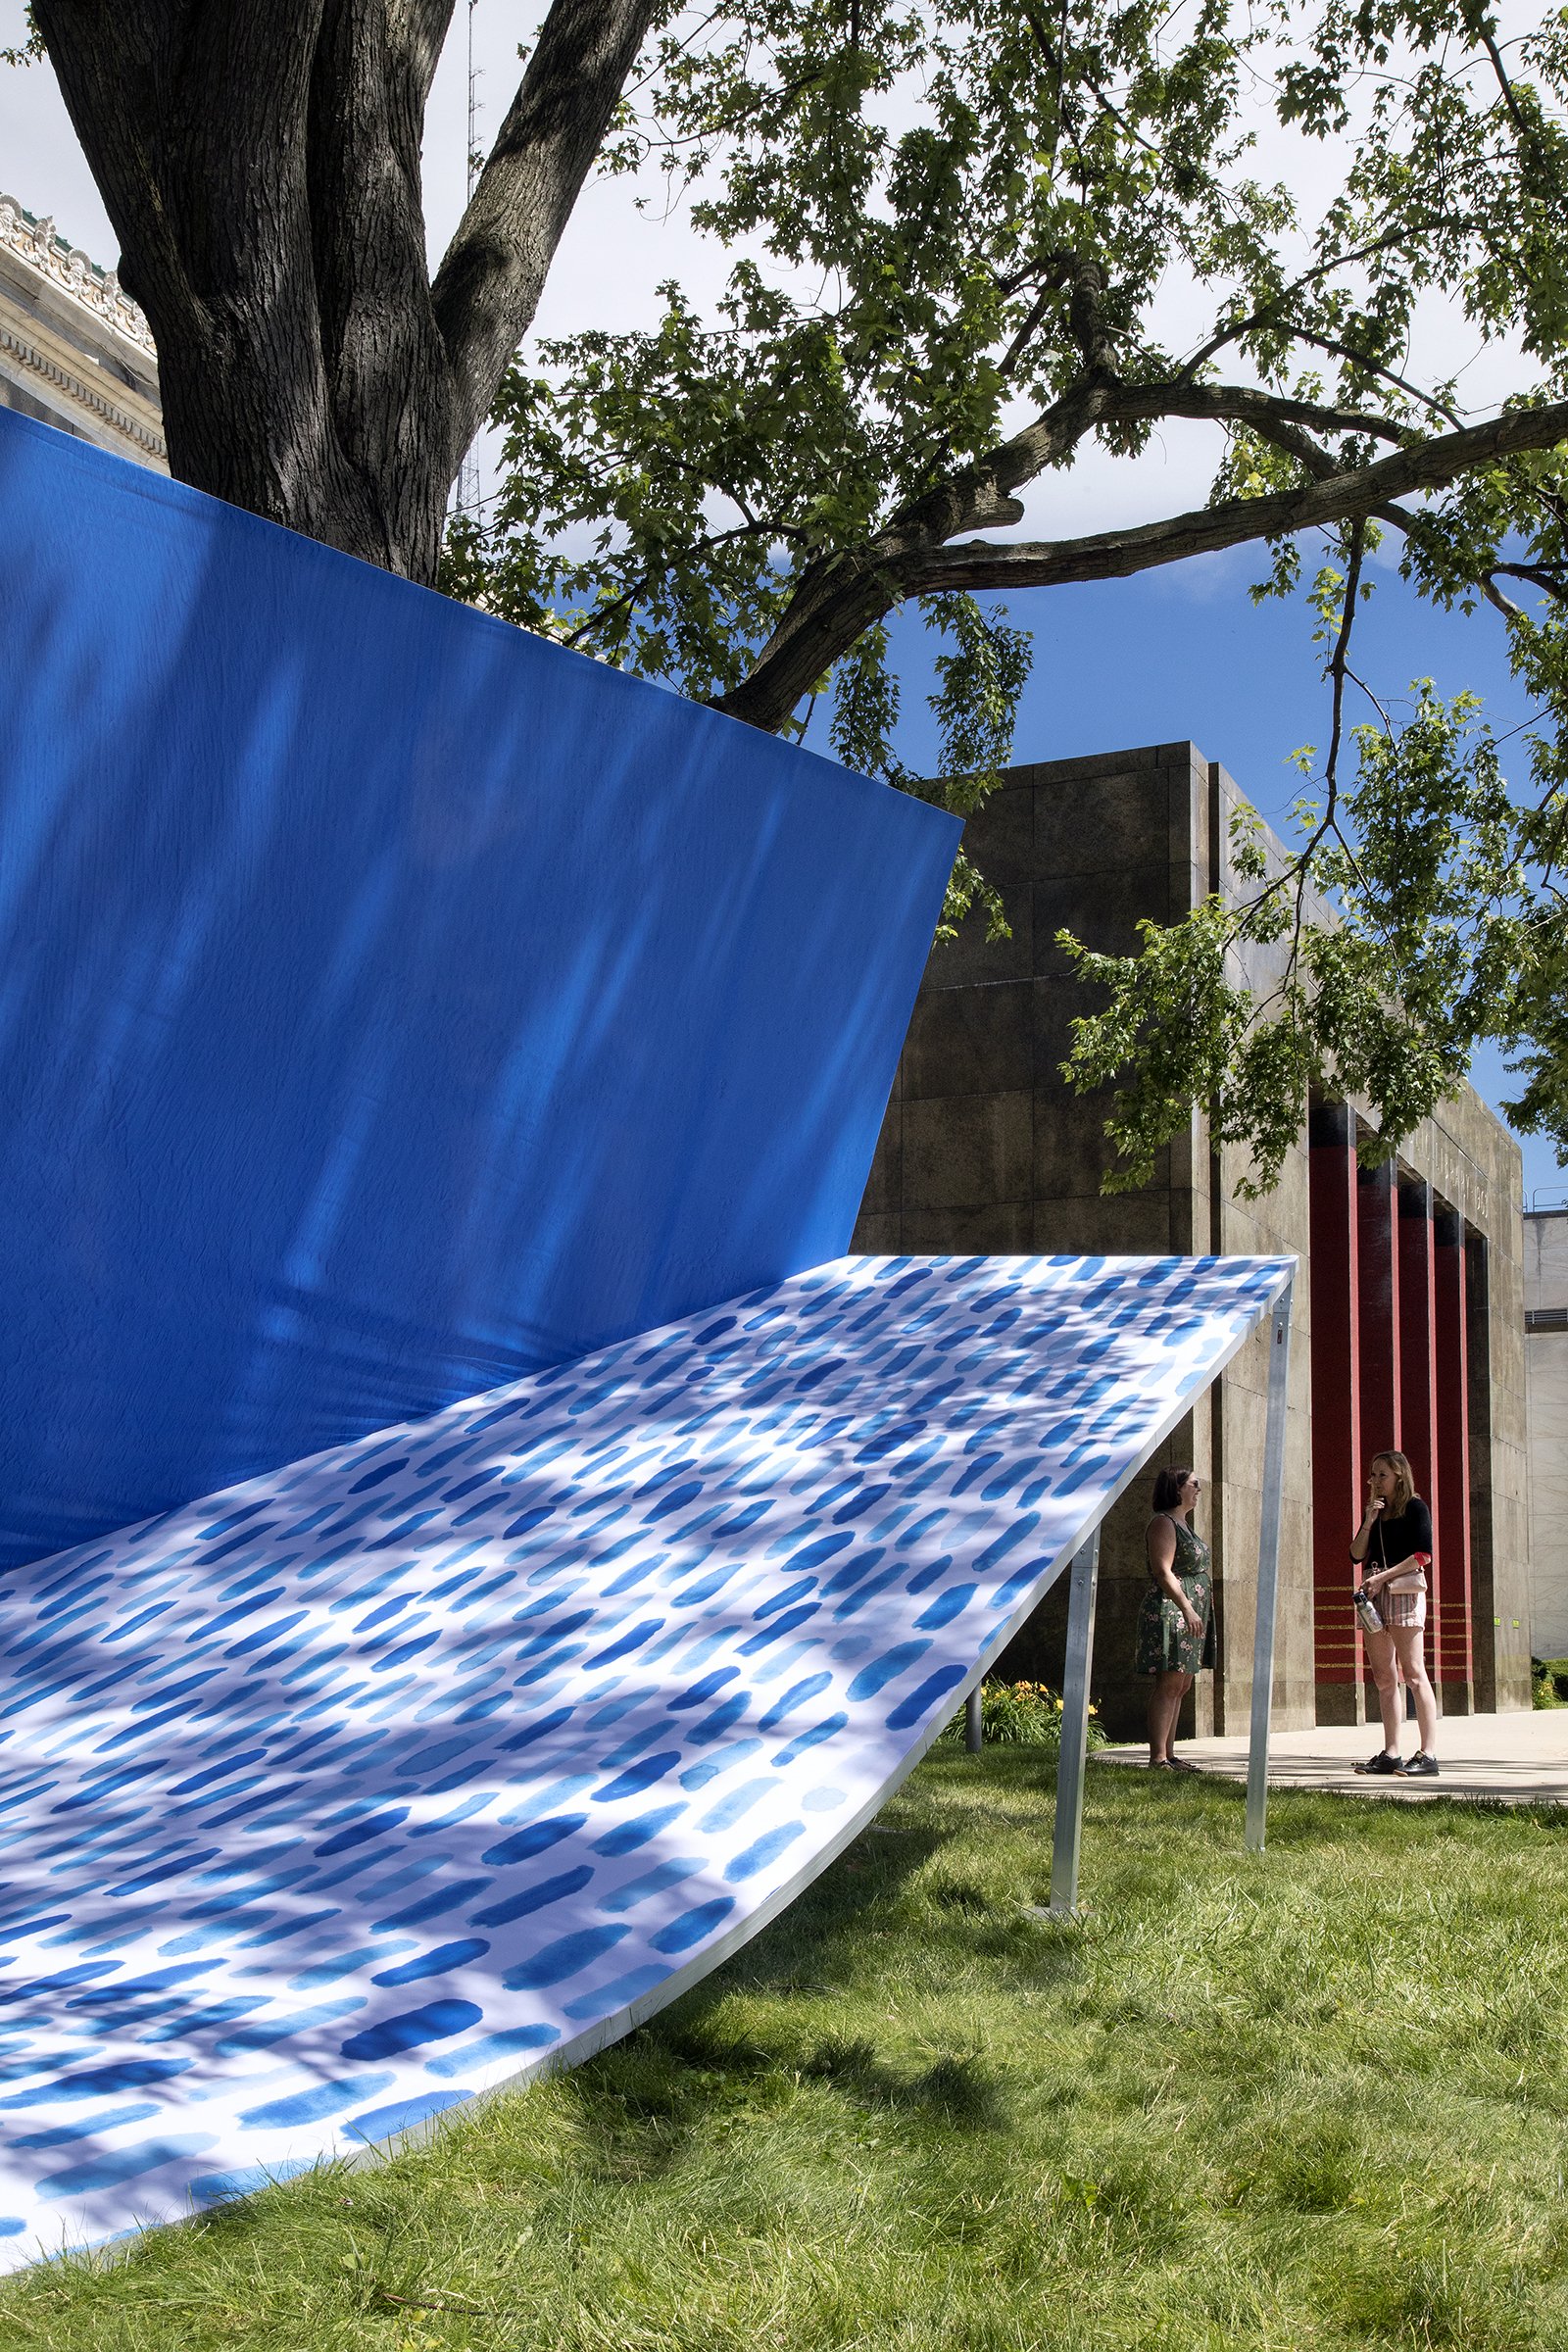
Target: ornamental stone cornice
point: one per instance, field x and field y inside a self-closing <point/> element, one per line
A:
<point x="74" y="272"/>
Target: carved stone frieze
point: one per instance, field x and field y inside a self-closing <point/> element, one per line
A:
<point x="21" y="349"/>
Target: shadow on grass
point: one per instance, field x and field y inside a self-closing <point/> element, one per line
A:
<point x="871" y="2122"/>
<point x="959" y="2091"/>
<point x="702" y="2056"/>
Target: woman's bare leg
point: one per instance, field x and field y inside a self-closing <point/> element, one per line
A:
<point x="1187" y="1681"/>
<point x="1164" y="1705"/>
<point x="1409" y="1643"/>
<point x="1385" y="1665"/>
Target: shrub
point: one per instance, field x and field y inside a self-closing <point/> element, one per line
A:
<point x="1023" y="1715"/>
<point x="1549" y="1681"/>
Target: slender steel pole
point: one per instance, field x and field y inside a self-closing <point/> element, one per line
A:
<point x="973" y="1722"/>
<point x="1068" y="1832"/>
<point x="1268" y="1570"/>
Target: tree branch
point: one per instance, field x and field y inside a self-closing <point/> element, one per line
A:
<point x="1243" y="404"/>
<point x="1368" y="366"/>
<point x="1321" y="467"/>
<point x="1338" y="664"/>
<point x="1268" y="316"/>
<point x="1339" y="498"/>
<point x="489" y="283"/>
<point x="1510" y="96"/>
<point x="416" y="35"/>
<point x="983" y="492"/>
<point x="844" y="593"/>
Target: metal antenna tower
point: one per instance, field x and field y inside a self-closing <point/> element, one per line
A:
<point x="474" y="106"/>
<point x="466" y="493"/>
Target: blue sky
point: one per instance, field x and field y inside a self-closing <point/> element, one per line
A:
<point x="1183" y="652"/>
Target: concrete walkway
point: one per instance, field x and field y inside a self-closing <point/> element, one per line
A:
<point x="1516" y="1758"/>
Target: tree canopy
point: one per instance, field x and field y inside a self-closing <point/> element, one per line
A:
<point x="972" y="243"/>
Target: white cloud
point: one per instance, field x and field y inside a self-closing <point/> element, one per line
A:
<point x="613" y="255"/>
<point x="41" y="164"/>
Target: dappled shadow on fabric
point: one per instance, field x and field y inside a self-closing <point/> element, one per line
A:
<point x="336" y="1799"/>
<point x="393" y="1003"/>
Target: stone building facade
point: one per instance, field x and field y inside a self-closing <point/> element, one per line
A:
<point x="1409" y="1317"/>
<point x="1546" y="1383"/>
<point x="74" y="350"/>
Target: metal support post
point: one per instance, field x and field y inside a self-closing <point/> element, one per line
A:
<point x="972" y="1734"/>
<point x="1268" y="1571"/>
<point x="1068" y="1831"/>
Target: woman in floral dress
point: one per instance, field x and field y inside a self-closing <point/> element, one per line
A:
<point x="1175" y="1637"/>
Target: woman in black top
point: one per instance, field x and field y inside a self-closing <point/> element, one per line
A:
<point x="1395" y="1540"/>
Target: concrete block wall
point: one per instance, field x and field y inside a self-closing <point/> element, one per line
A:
<point x="1547" y="1357"/>
<point x="1276" y="1225"/>
<point x="1472" y="1165"/>
<point x="984" y="1146"/>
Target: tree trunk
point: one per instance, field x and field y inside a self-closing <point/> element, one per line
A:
<point x="260" y="160"/>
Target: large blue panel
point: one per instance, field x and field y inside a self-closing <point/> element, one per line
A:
<point x="390" y="1003"/>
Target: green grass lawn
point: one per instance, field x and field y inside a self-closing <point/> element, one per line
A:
<point x="1316" y="2099"/>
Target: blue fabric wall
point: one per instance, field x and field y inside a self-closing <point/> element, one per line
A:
<point x="390" y="1003"/>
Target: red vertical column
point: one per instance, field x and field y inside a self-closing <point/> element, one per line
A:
<point x="1377" y="1260"/>
<point x="1455" y="1662"/>
<point x="1336" y="1410"/>
<point x="1418" y="1400"/>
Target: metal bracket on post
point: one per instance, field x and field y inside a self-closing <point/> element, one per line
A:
<point x="973" y="1734"/>
<point x="1068" y="1831"/>
<point x="1268" y="1570"/>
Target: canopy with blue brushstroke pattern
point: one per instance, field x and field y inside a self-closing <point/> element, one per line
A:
<point x="333" y="1802"/>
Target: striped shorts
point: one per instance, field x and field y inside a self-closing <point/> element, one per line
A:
<point x="1402" y="1608"/>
